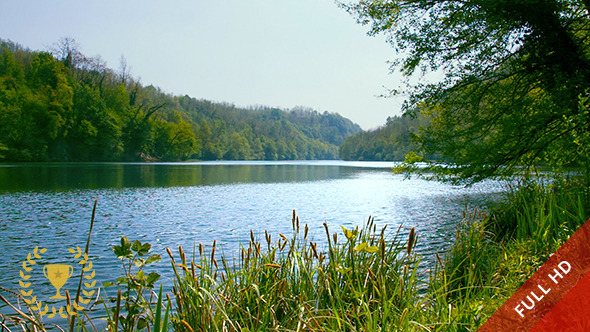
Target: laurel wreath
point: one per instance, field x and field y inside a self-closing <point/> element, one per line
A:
<point x="69" y="309"/>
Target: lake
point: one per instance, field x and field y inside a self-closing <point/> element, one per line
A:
<point x="171" y="204"/>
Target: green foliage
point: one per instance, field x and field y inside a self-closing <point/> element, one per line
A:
<point x="368" y="281"/>
<point x="512" y="76"/>
<point x="137" y="287"/>
<point x="72" y="108"/>
<point x="390" y="142"/>
<point x="412" y="158"/>
<point x="548" y="213"/>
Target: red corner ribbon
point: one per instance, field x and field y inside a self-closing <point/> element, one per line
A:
<point x="556" y="297"/>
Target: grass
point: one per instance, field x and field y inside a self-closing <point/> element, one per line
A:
<point x="363" y="279"/>
<point x="361" y="282"/>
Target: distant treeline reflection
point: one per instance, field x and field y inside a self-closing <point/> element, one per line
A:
<point x="67" y="176"/>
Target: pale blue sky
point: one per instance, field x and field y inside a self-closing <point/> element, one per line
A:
<point x="280" y="53"/>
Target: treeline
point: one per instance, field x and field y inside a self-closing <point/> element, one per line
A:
<point x="64" y="106"/>
<point x="390" y="142"/>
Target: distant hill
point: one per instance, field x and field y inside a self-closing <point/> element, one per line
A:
<point x="390" y="142"/>
<point x="64" y="106"/>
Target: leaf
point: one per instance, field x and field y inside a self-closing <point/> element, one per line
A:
<point x="122" y="252"/>
<point x="360" y="247"/>
<point x="152" y="278"/>
<point x="141" y="323"/>
<point x="372" y="249"/>
<point x="106" y="284"/>
<point x="125" y="242"/>
<point x="139" y="262"/>
<point x="136" y="246"/>
<point x="140" y="275"/>
<point x="145" y="248"/>
<point x="343" y="270"/>
<point x="349" y="234"/>
<point x="153" y="258"/>
<point x="157" y="318"/>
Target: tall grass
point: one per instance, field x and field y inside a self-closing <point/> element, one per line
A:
<point x="545" y="213"/>
<point x="362" y="281"/>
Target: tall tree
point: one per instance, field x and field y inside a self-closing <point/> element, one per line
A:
<point x="513" y="72"/>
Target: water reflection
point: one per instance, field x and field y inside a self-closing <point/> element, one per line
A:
<point x="68" y="176"/>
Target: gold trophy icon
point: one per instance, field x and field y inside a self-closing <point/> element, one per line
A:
<point x="58" y="275"/>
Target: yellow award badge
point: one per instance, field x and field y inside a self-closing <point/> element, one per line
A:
<point x="58" y="275"/>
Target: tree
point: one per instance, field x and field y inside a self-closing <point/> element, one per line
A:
<point x="513" y="71"/>
<point x="238" y="148"/>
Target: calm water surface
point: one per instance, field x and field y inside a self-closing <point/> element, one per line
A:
<point x="172" y="204"/>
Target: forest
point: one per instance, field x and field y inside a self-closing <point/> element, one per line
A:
<point x="390" y="142"/>
<point x="64" y="106"/>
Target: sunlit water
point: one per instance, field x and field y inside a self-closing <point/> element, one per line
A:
<point x="167" y="205"/>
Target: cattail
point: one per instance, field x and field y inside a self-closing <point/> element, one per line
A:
<point x="293" y="220"/>
<point x="182" y="256"/>
<point x="213" y="250"/>
<point x="215" y="262"/>
<point x="383" y="231"/>
<point x="170" y="254"/>
<point x="439" y="259"/>
<point x="313" y="247"/>
<point x="305" y="232"/>
<point x="69" y="302"/>
<point x="411" y="239"/>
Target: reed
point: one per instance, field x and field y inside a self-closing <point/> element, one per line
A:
<point x="361" y="282"/>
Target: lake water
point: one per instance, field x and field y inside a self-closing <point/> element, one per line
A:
<point x="172" y="204"/>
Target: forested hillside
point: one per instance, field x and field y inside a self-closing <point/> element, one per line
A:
<point x="64" y="106"/>
<point x="389" y="142"/>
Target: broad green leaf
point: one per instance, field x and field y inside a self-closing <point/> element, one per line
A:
<point x="360" y="247"/>
<point x="153" y="258"/>
<point x="125" y="242"/>
<point x="371" y="249"/>
<point x="144" y="249"/>
<point x="122" y="252"/>
<point x="136" y="246"/>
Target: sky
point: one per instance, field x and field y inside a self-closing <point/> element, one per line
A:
<point x="277" y="53"/>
